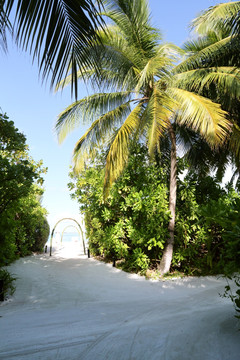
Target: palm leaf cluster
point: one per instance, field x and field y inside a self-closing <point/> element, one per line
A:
<point x="218" y="30"/>
<point x="143" y="92"/>
<point x="214" y="55"/>
<point x="4" y="25"/>
<point x="222" y="17"/>
<point x="54" y="31"/>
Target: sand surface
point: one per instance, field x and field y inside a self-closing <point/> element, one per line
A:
<point x="70" y="307"/>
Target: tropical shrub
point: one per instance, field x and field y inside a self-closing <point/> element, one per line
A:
<point x="22" y="218"/>
<point x="41" y="234"/>
<point x="221" y="217"/>
<point x="7" y="281"/>
<point x="32" y="227"/>
<point x="233" y="295"/>
<point x="132" y="223"/>
<point x="207" y="226"/>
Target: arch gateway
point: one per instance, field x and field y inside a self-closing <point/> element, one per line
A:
<point x="78" y="226"/>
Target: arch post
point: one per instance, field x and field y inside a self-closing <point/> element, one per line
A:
<point x="51" y="239"/>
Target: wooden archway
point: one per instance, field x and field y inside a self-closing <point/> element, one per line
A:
<point x="79" y="226"/>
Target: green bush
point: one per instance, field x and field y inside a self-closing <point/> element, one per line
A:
<point x="207" y="227"/>
<point x="7" y="281"/>
<point x="132" y="224"/>
<point x="42" y="231"/>
<point x="233" y="295"/>
<point x="23" y="226"/>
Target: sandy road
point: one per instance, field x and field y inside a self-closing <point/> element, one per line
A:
<point x="71" y="307"/>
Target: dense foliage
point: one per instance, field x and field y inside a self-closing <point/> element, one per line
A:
<point x="131" y="225"/>
<point x="208" y="233"/>
<point x="23" y="224"/>
<point x="125" y="225"/>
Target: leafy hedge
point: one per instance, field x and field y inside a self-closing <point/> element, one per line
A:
<point x="23" y="224"/>
<point x="132" y="224"/>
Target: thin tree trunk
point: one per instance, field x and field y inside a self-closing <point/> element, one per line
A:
<point x="166" y="260"/>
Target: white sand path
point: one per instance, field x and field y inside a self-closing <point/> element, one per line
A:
<point x="69" y="307"/>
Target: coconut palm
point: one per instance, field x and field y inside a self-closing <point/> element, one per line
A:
<point x="54" y="31"/>
<point x="144" y="96"/>
<point x="217" y="47"/>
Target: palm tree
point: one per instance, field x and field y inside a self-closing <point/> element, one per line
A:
<point x="217" y="47"/>
<point x="54" y="31"/>
<point x="146" y="97"/>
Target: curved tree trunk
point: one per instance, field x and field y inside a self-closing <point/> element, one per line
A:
<point x="168" y="250"/>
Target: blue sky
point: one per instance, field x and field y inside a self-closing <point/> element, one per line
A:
<point x="34" y="107"/>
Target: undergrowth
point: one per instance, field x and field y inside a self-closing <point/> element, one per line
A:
<point x="7" y="281"/>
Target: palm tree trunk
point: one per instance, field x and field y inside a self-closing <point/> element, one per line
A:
<point x="166" y="260"/>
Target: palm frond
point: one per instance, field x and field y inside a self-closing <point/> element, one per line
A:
<point x="195" y="45"/>
<point x="119" y="56"/>
<point x="203" y="160"/>
<point x="203" y="116"/>
<point x="119" y="50"/>
<point x="158" y="117"/>
<point x="81" y="74"/>
<point x="234" y="142"/>
<point x="170" y="51"/>
<point x="107" y="78"/>
<point x="212" y="54"/>
<point x="98" y="132"/>
<point x="226" y="79"/>
<point x="87" y="110"/>
<point x="224" y="15"/>
<point x="55" y="32"/>
<point x="157" y="66"/>
<point x="5" y="26"/>
<point x="132" y="18"/>
<point x="117" y="59"/>
<point x="118" y="152"/>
